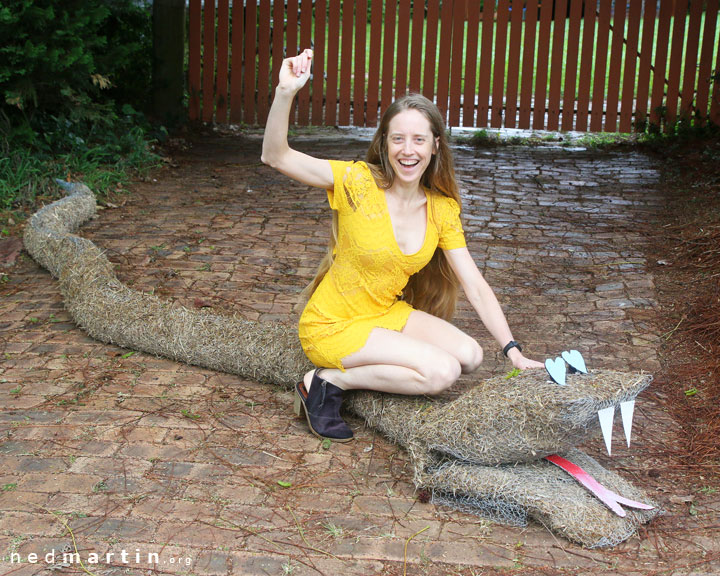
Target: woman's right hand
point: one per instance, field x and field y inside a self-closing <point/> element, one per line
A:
<point x="295" y="72"/>
<point x="276" y="152"/>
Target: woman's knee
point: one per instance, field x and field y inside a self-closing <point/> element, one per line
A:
<point x="439" y="373"/>
<point x="470" y="355"/>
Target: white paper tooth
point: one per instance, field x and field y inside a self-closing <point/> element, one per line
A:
<point x="606" y="416"/>
<point x="626" y="411"/>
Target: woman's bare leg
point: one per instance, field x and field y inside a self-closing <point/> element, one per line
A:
<point x="427" y="357"/>
<point x="393" y="362"/>
<point x="446" y="336"/>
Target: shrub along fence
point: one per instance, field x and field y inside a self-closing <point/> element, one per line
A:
<point x="584" y="65"/>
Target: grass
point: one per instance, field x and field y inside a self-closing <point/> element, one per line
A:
<point x="28" y="175"/>
<point x="333" y="530"/>
<point x="491" y="138"/>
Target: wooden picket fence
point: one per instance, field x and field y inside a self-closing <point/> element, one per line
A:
<point x="583" y="65"/>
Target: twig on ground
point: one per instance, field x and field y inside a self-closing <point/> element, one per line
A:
<point x="406" y="547"/>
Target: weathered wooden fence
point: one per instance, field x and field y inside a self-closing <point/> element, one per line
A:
<point x="584" y="65"/>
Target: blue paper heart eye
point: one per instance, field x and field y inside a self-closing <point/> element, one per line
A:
<point x="575" y="361"/>
<point x="556" y="369"/>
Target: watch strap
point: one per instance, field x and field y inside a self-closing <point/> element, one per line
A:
<point x="510" y="345"/>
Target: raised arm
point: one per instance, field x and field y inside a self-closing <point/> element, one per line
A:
<point x="276" y="152"/>
<point x="483" y="300"/>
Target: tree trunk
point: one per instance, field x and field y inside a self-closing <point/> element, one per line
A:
<point x="168" y="56"/>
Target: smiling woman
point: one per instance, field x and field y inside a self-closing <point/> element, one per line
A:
<point x="411" y="147"/>
<point x="379" y="308"/>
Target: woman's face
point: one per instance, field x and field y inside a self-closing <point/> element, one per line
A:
<point x="410" y="145"/>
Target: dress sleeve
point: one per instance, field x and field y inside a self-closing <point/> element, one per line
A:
<point x="343" y="173"/>
<point x="450" y="228"/>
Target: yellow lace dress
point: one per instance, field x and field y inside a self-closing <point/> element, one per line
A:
<point x="369" y="272"/>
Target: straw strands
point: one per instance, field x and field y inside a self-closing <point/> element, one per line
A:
<point x="481" y="452"/>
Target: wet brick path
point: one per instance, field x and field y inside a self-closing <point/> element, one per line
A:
<point x="213" y="473"/>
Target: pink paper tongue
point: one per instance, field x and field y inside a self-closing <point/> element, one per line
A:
<point x="607" y="497"/>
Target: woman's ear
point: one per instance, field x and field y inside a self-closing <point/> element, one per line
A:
<point x="436" y="147"/>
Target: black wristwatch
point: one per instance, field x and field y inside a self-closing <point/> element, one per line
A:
<point x="510" y="345"/>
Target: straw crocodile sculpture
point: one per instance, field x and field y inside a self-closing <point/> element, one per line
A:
<point x="483" y="452"/>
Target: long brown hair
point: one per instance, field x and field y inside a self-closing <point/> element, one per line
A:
<point x="434" y="289"/>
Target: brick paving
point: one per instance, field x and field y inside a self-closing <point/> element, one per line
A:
<point x="213" y="473"/>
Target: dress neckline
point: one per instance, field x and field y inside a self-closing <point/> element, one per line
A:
<point x="392" y="229"/>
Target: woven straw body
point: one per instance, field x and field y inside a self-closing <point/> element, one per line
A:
<point x="481" y="452"/>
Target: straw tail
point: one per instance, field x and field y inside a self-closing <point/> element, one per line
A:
<point x="481" y="451"/>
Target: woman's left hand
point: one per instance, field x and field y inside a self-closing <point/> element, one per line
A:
<point x="520" y="362"/>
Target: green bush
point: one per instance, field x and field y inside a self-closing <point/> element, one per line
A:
<point x="47" y="63"/>
<point x="73" y="75"/>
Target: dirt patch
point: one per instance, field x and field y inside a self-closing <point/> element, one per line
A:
<point x="686" y="260"/>
<point x="684" y="254"/>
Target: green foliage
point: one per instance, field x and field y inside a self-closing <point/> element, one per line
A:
<point x="104" y="165"/>
<point x="483" y="139"/>
<point x="606" y="140"/>
<point x="490" y="139"/>
<point x="58" y="57"/>
<point x="663" y="137"/>
<point x="72" y="76"/>
<point x="679" y="133"/>
<point x="128" y="61"/>
<point x="48" y="54"/>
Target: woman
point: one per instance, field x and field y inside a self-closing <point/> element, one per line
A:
<point x="378" y="315"/>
